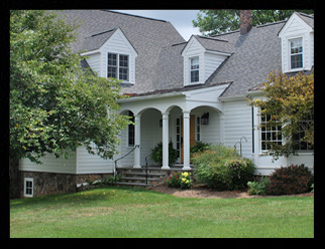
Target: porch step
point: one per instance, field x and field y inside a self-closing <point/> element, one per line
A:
<point x="137" y="177"/>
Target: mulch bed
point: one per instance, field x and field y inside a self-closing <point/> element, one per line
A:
<point x="199" y="191"/>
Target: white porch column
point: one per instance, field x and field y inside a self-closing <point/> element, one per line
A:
<point x="165" y="136"/>
<point x="222" y="127"/>
<point x="137" y="139"/>
<point x="186" y="139"/>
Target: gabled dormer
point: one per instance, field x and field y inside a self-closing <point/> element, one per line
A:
<point x="297" y="43"/>
<point x="202" y="56"/>
<point x="111" y="54"/>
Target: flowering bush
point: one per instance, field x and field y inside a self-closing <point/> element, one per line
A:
<point x="174" y="180"/>
<point x="178" y="179"/>
<point x="186" y="181"/>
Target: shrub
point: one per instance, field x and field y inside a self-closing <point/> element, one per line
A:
<point x="294" y="179"/>
<point x="199" y="147"/>
<point x="186" y="180"/>
<point x="260" y="187"/>
<point x="222" y="168"/>
<point x="178" y="179"/>
<point x="173" y="180"/>
<point x="157" y="153"/>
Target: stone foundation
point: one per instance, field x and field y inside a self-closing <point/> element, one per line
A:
<point x="54" y="183"/>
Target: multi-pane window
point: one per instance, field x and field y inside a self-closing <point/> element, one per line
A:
<point x="296" y="53"/>
<point x="118" y="66"/>
<point x="270" y="132"/>
<point x="131" y="131"/>
<point x="198" y="129"/>
<point x="112" y="66"/>
<point x="28" y="187"/>
<point x="124" y="67"/>
<point x="178" y="137"/>
<point x="299" y="137"/>
<point x="195" y="68"/>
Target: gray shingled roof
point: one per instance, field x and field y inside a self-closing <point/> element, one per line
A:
<point x="97" y="40"/>
<point x="215" y="44"/>
<point x="255" y="55"/>
<point x="159" y="65"/>
<point x="309" y="19"/>
<point x="148" y="36"/>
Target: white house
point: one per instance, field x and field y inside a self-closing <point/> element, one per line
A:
<point x="184" y="91"/>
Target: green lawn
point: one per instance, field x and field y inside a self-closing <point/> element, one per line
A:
<point x="122" y="212"/>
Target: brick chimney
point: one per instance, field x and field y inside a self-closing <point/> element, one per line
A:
<point x="246" y="21"/>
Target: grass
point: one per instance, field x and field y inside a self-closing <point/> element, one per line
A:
<point x="122" y="212"/>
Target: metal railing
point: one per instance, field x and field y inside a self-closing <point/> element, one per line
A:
<point x="240" y="145"/>
<point x="120" y="158"/>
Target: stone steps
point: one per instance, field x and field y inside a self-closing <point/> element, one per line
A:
<point x="139" y="177"/>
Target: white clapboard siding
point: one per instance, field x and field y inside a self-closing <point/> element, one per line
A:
<point x="238" y="123"/>
<point x="211" y="63"/>
<point x="92" y="164"/>
<point x="193" y="49"/>
<point x="119" y="44"/>
<point x="94" y="62"/>
<point x="297" y="28"/>
<point x="51" y="164"/>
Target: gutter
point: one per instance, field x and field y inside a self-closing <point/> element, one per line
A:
<point x="149" y="97"/>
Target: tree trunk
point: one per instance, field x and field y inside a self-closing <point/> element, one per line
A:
<point x="14" y="178"/>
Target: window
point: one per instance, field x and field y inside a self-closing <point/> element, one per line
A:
<point x="131" y="131"/>
<point x="298" y="138"/>
<point x="198" y="129"/>
<point x="124" y="67"/>
<point x="178" y="137"/>
<point x="270" y="132"/>
<point x="28" y="187"/>
<point x="118" y="66"/>
<point x="296" y="56"/>
<point x="195" y="69"/>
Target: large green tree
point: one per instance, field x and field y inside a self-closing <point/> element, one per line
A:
<point x="55" y="104"/>
<point x="212" y="22"/>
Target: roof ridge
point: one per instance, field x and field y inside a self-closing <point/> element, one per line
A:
<point x="103" y="32"/>
<point x="270" y="23"/>
<point x="306" y="15"/>
<point x="257" y="26"/>
<point x="117" y="12"/>
<point x="212" y="38"/>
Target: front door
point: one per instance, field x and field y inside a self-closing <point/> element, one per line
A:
<point x="192" y="134"/>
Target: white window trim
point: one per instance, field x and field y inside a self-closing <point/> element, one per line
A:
<point x="118" y="65"/>
<point x="190" y="70"/>
<point x="261" y="151"/>
<point x="28" y="179"/>
<point x="289" y="53"/>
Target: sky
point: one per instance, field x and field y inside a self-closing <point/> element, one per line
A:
<point x="181" y="19"/>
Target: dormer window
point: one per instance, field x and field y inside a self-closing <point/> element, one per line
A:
<point x="118" y="66"/>
<point x="297" y="43"/>
<point x="296" y="53"/>
<point x="195" y="70"/>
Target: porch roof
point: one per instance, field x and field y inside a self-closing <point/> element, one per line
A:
<point x="169" y="92"/>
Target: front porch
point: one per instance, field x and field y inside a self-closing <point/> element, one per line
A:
<point x="181" y="118"/>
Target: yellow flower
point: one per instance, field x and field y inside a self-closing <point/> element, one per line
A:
<point x="187" y="181"/>
<point x="185" y="174"/>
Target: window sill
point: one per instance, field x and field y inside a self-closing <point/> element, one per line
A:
<point x="299" y="153"/>
<point x="295" y="70"/>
